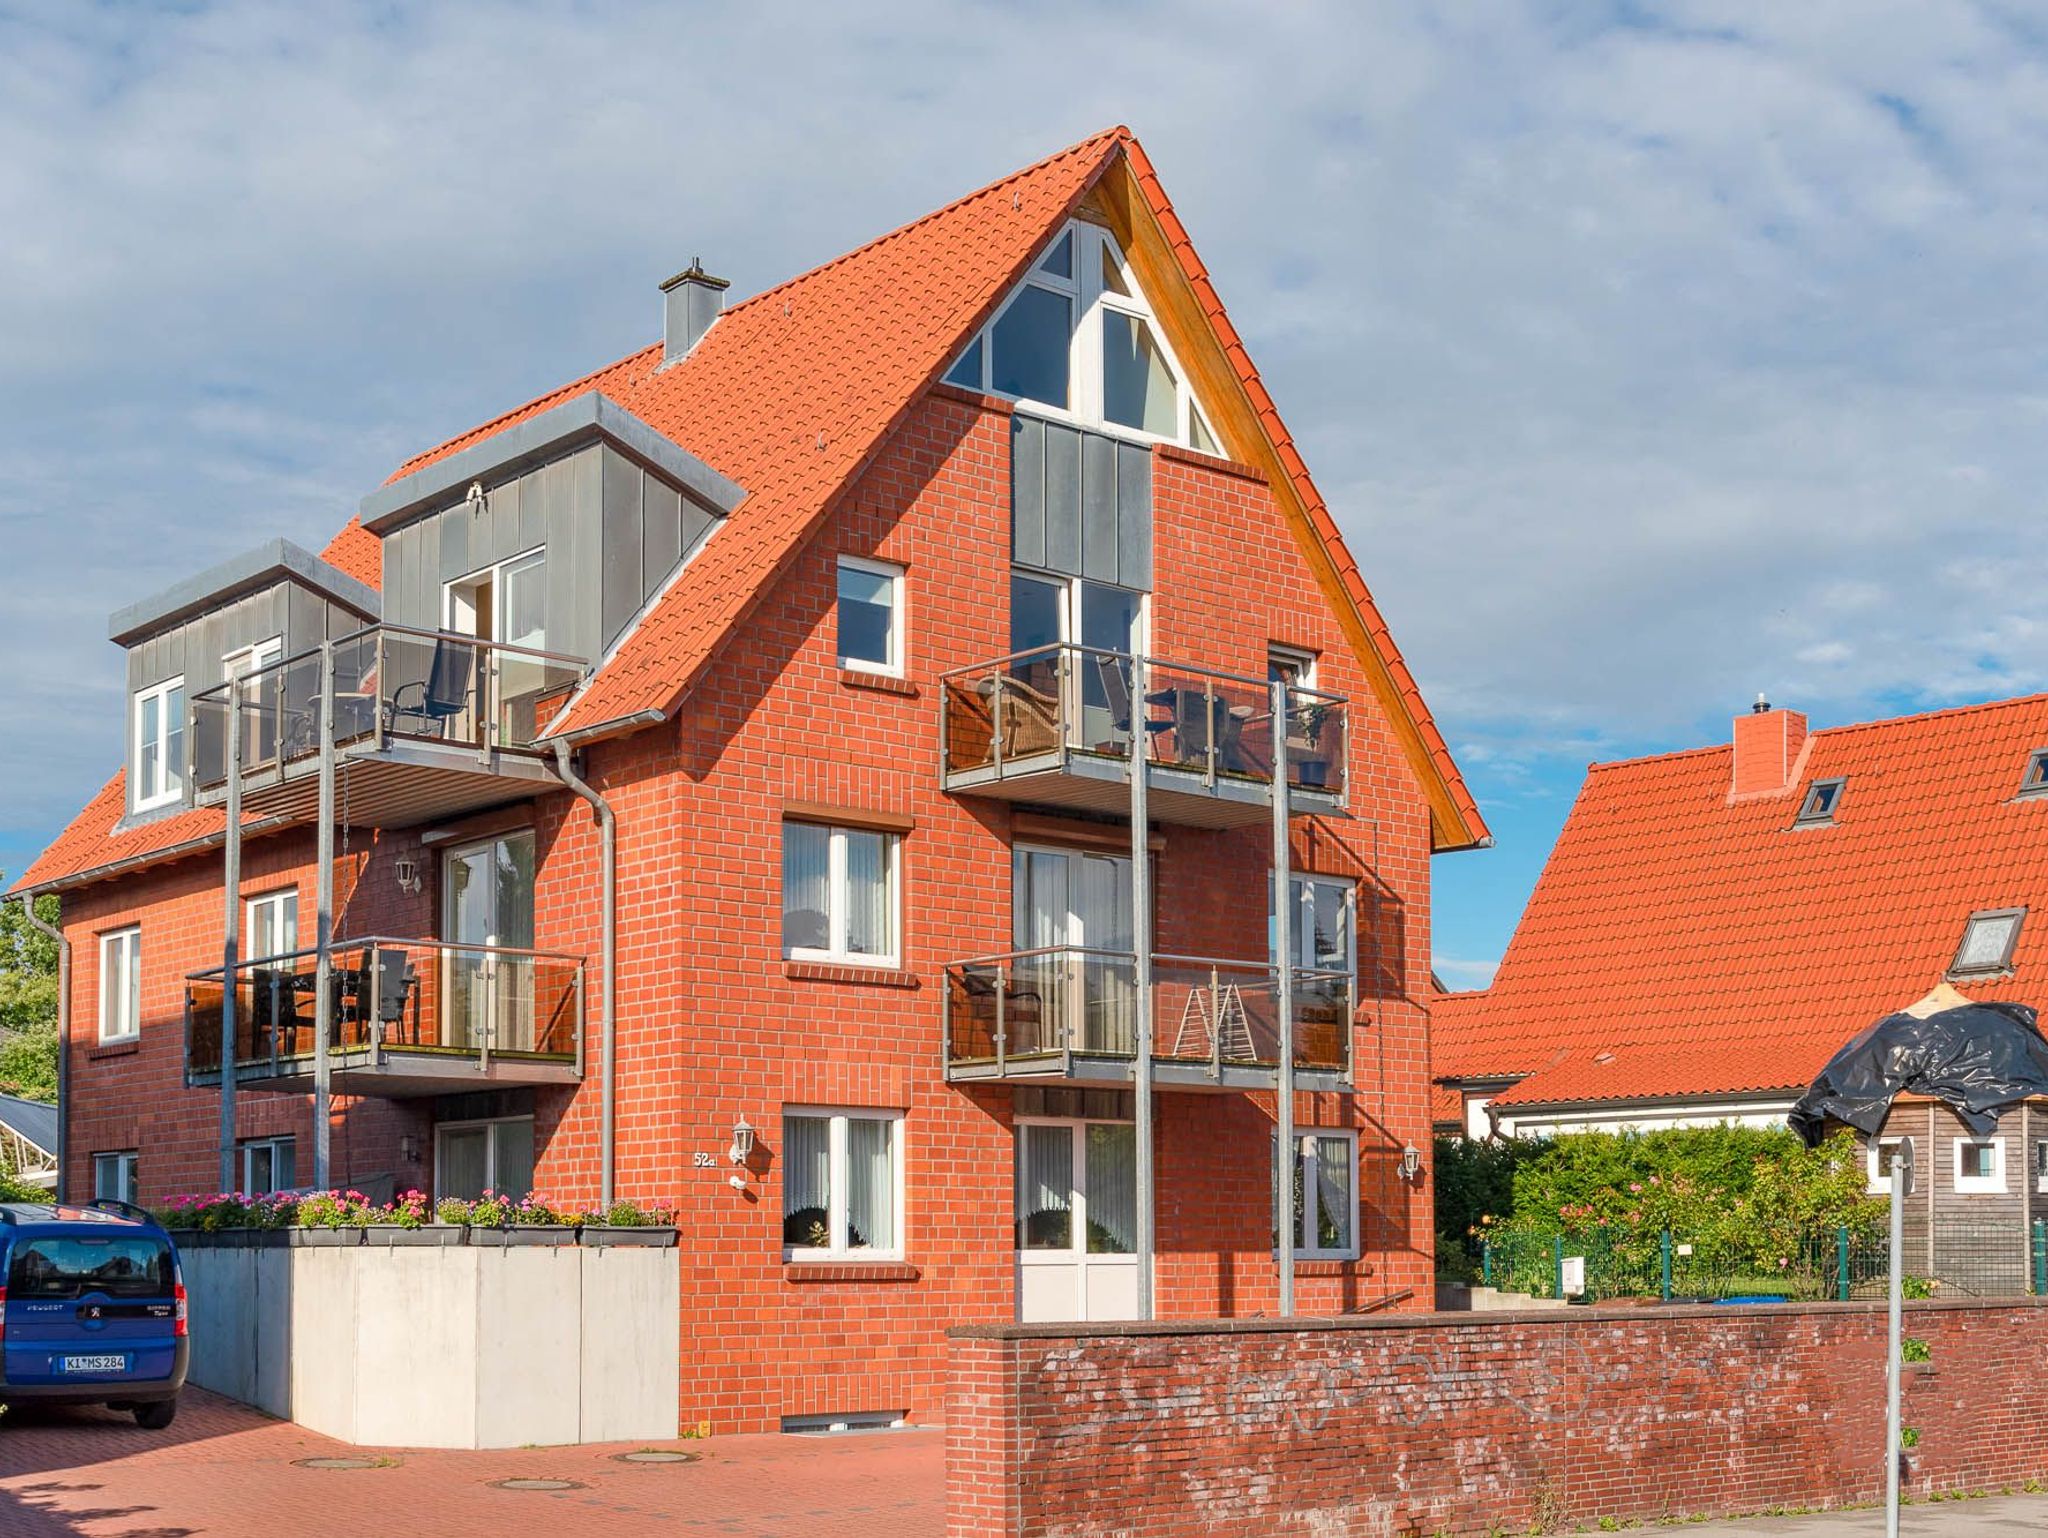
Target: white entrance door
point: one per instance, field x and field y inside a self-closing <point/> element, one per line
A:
<point x="488" y="905"/>
<point x="1077" y="1208"/>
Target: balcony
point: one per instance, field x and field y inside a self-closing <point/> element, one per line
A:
<point x="407" y="1018"/>
<point x="426" y="724"/>
<point x="1068" y="1015"/>
<point x="1053" y="726"/>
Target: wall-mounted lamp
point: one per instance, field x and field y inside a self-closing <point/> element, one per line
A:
<point x="1411" y="1162"/>
<point x="475" y="500"/>
<point x="407" y="870"/>
<point x="409" y="1147"/>
<point x="742" y="1142"/>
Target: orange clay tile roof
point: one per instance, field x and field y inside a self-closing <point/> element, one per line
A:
<point x="793" y="391"/>
<point x="358" y="553"/>
<point x="1446" y="1107"/>
<point x="1679" y="945"/>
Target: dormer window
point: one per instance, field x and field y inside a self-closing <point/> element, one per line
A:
<point x="1818" y="809"/>
<point x="157" y="751"/>
<point x="2035" y="780"/>
<point x="1078" y="339"/>
<point x="1989" y="939"/>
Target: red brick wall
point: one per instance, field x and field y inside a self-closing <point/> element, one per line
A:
<point x="1479" y="1423"/>
<point x="714" y="1026"/>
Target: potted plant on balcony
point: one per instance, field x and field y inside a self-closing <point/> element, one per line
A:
<point x="1310" y="766"/>
<point x="331" y="1218"/>
<point x="495" y="1219"/>
<point x="407" y="1222"/>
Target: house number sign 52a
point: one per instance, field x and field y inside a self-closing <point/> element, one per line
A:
<point x="703" y="1161"/>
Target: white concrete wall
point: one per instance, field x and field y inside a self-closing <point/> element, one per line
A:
<point x="456" y="1347"/>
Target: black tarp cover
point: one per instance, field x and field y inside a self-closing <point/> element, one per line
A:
<point x="1979" y="1058"/>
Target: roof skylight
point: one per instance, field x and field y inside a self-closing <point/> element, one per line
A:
<point x="2035" y="781"/>
<point x="1818" y="809"/>
<point x="1988" y="942"/>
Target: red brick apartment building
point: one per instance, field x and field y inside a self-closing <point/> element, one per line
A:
<point x="717" y="777"/>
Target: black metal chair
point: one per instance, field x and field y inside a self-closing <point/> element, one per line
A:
<point x="439" y="697"/>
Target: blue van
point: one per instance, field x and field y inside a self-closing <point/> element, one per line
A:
<point x="92" y="1309"/>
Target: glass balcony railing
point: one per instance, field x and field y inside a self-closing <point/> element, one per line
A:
<point x="390" y="683"/>
<point x="404" y="997"/>
<point x="1014" y="1011"/>
<point x="1024" y="713"/>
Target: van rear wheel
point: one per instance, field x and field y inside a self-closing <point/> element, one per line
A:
<point x="154" y="1417"/>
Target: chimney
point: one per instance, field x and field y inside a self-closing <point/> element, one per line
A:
<point x="691" y="302"/>
<point x="1767" y="744"/>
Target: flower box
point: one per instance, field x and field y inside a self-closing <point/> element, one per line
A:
<point x="326" y="1238"/>
<point x="522" y="1234"/>
<point x="603" y="1235"/>
<point x="427" y="1236"/>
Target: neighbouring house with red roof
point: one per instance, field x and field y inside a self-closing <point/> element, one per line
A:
<point x="1713" y="925"/>
<point x="790" y="776"/>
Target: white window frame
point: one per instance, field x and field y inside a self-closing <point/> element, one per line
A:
<point x="1310" y="1157"/>
<point x="2004" y="964"/>
<point x="172" y="789"/>
<point x="1090" y="299"/>
<point x="1877" y="1180"/>
<point x="267" y="902"/>
<point x="253" y="658"/>
<point x="127" y="1166"/>
<point x="470" y="1124"/>
<point x="838" y="1185"/>
<point x="1992" y="1184"/>
<point x="1302" y="931"/>
<point x="127" y="966"/>
<point x="834" y="950"/>
<point x="495" y="570"/>
<point x="1300" y="658"/>
<point x="2041" y="1165"/>
<point x="898" y="616"/>
<point x="245" y="1158"/>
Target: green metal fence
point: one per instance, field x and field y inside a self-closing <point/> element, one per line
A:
<point x="1950" y="1258"/>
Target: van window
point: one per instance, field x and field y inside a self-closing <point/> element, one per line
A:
<point x="121" y="1265"/>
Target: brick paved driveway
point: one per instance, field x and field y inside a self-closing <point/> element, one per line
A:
<point x="224" y="1470"/>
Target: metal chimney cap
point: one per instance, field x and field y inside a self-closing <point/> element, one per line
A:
<point x="695" y="273"/>
<point x="1762" y="705"/>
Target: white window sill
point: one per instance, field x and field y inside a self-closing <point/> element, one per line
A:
<point x="853" y="959"/>
<point x="873" y="669"/>
<point x="1967" y="1186"/>
<point x="131" y="1039"/>
<point x="810" y="1257"/>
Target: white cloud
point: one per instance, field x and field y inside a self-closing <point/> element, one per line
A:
<point x="1647" y="364"/>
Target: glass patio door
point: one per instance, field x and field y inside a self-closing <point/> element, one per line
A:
<point x="1077" y="1206"/>
<point x="487" y="907"/>
<point x="1074" y="905"/>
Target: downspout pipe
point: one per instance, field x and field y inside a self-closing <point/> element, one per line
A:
<point x="608" y="903"/>
<point x="28" y="906"/>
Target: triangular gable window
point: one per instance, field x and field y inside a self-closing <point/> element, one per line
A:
<point x="1078" y="339"/>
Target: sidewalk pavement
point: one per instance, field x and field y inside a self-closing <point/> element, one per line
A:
<point x="1996" y="1517"/>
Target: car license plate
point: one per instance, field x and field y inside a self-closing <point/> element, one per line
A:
<point x="95" y="1364"/>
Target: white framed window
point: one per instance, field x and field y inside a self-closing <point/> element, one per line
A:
<point x="1878" y="1159"/>
<point x="1078" y="339"/>
<point x="1326" y="1194"/>
<point x="842" y="1183"/>
<point x="268" y="1164"/>
<point x="1323" y="937"/>
<point x="121" y="984"/>
<point x="493" y="1154"/>
<point x="1823" y="798"/>
<point x="157" y="749"/>
<point x="114" y="1175"/>
<point x="1980" y="1166"/>
<point x="2041" y="1167"/>
<point x="253" y="658"/>
<point x="272" y="925"/>
<point x="870" y="616"/>
<point x="505" y="602"/>
<point x="839" y="894"/>
<point x="1293" y="666"/>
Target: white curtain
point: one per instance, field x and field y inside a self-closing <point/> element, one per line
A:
<point x="464" y="1163"/>
<point x="870" y="904"/>
<point x="870" y="1184"/>
<point x="1046" y="1202"/>
<point x="806" y="879"/>
<point x="513" y="1146"/>
<point x="1333" y="1194"/>
<point x="1112" y="1188"/>
<point x="807" y="1181"/>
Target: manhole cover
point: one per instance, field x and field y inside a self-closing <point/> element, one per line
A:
<point x="535" y="1484"/>
<point x="655" y="1455"/>
<point x="342" y="1463"/>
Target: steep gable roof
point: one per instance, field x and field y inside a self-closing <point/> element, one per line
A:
<point x="1682" y="942"/>
<point x="791" y="393"/>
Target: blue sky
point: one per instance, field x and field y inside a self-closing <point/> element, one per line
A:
<point x="1649" y="356"/>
